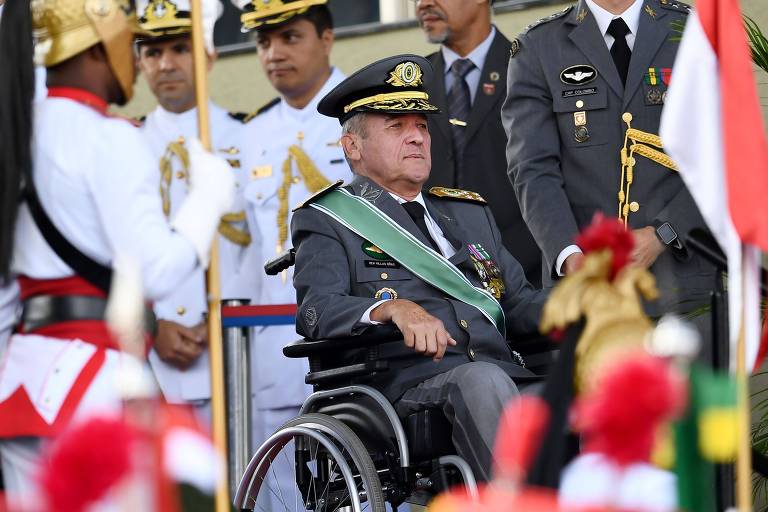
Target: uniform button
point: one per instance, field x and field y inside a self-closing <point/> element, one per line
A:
<point x="384" y="275"/>
<point x="180" y="175"/>
<point x="634" y="206"/>
<point x="579" y="104"/>
<point x="295" y="180"/>
<point x="181" y="310"/>
<point x="472" y="354"/>
<point x="259" y="196"/>
<point x="464" y="324"/>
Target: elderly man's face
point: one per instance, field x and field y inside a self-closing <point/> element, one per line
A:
<point x="396" y="150"/>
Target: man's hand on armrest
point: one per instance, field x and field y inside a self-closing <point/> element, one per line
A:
<point x="421" y="331"/>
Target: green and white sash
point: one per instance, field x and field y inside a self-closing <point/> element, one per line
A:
<point x="369" y="222"/>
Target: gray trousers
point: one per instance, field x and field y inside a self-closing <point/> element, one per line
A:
<point x="472" y="396"/>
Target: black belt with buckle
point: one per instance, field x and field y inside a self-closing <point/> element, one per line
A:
<point x="45" y="310"/>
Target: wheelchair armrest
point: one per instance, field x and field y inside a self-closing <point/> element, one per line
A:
<point x="278" y="264"/>
<point x="371" y="336"/>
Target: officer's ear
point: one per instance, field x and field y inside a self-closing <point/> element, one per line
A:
<point x="327" y="39"/>
<point x="350" y="142"/>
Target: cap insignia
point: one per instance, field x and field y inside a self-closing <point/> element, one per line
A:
<point x="406" y="74"/>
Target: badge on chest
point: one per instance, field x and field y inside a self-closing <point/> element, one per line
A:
<point x="655" y="83"/>
<point x="487" y="270"/>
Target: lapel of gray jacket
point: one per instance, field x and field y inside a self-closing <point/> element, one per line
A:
<point x="587" y="37"/>
<point x="495" y="61"/>
<point x="651" y="33"/>
<point x="450" y="228"/>
<point x="438" y="91"/>
<point x="381" y="199"/>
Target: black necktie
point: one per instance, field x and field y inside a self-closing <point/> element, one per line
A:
<point x="620" y="49"/>
<point x="416" y="212"/>
<point x="459" y="103"/>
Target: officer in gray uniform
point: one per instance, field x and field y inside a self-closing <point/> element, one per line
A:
<point x="345" y="281"/>
<point x="578" y="80"/>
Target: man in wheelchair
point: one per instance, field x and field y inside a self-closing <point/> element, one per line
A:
<point x="381" y="250"/>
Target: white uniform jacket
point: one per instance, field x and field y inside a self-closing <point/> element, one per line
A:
<point x="97" y="181"/>
<point x="277" y="381"/>
<point x="239" y="264"/>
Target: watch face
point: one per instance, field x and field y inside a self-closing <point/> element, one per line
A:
<point x="666" y="233"/>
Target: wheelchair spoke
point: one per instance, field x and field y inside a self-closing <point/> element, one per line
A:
<point x="293" y="468"/>
<point x="327" y="464"/>
<point x="312" y="485"/>
<point x="277" y="481"/>
<point x="271" y="490"/>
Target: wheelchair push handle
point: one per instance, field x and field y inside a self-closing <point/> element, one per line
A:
<point x="280" y="263"/>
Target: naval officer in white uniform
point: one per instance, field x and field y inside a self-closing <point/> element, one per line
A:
<point x="300" y="154"/>
<point x="179" y="357"/>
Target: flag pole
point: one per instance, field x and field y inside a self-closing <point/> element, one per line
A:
<point x="213" y="279"/>
<point x="744" y="447"/>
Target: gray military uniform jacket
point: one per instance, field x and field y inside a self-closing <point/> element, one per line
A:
<point x="336" y="282"/>
<point x="561" y="181"/>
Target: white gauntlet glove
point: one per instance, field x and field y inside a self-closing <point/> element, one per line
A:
<point x="211" y="194"/>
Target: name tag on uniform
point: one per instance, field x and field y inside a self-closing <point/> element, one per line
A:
<point x="262" y="171"/>
<point x="579" y="92"/>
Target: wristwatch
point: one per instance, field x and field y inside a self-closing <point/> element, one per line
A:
<point x="667" y="234"/>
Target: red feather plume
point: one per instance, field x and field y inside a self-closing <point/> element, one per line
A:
<point x="519" y="435"/>
<point x="607" y="233"/>
<point x="86" y="462"/>
<point x="620" y="417"/>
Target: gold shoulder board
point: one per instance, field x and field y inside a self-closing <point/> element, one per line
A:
<point x="456" y="193"/>
<point x="319" y="193"/>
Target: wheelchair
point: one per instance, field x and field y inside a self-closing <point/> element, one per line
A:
<point x="348" y="450"/>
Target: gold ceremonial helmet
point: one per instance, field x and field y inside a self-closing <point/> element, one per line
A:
<point x="257" y="13"/>
<point x="65" y="28"/>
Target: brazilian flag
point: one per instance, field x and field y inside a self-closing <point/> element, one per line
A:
<point x="706" y="435"/>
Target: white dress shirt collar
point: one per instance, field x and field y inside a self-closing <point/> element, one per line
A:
<point x="631" y="17"/>
<point x="477" y="56"/>
<point x="438" y="236"/>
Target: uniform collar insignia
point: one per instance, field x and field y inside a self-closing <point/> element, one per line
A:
<point x="370" y="193"/>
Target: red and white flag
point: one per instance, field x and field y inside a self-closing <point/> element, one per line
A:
<point x="712" y="128"/>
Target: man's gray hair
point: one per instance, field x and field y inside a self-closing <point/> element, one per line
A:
<point x="355" y="125"/>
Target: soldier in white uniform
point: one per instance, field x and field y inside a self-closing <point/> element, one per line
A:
<point x="90" y="198"/>
<point x="300" y="155"/>
<point x="179" y="357"/>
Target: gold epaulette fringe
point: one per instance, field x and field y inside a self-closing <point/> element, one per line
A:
<point x="314" y="180"/>
<point x="637" y="142"/>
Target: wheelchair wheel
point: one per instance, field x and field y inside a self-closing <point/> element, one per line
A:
<point x="314" y="463"/>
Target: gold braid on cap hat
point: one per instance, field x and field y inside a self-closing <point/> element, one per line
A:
<point x="273" y="12"/>
<point x="163" y="16"/>
<point x="637" y="142"/>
